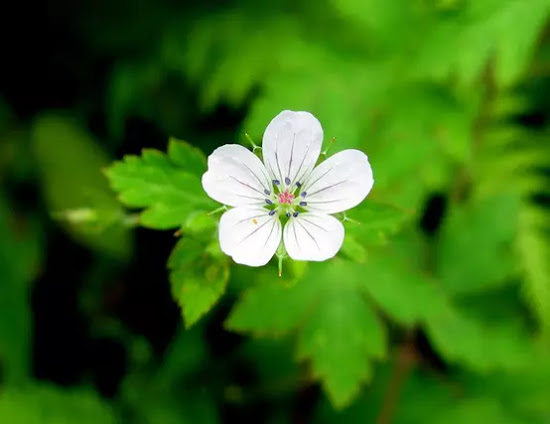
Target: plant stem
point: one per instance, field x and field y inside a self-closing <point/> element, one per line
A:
<point x="406" y="358"/>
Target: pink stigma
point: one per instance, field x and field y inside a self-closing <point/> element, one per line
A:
<point x="286" y="198"/>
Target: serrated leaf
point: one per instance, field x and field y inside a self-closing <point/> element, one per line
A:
<point x="337" y="338"/>
<point x="198" y="279"/>
<point x="337" y="330"/>
<point x="157" y="182"/>
<point x="69" y="161"/>
<point x="186" y="156"/>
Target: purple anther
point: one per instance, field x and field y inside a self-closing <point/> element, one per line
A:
<point x="303" y="194"/>
<point x="269" y="202"/>
<point x="276" y="182"/>
<point x="288" y="214"/>
<point x="287" y="181"/>
<point x="271" y="213"/>
<point x="298" y="184"/>
<point x="295" y="214"/>
<point x="267" y="192"/>
<point x="303" y="203"/>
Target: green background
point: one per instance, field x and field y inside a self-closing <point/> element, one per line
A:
<point x="116" y="303"/>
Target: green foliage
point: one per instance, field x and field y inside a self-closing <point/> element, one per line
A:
<point x="50" y="405"/>
<point x="337" y="329"/>
<point x="483" y="228"/>
<point x="167" y="186"/>
<point x="516" y="159"/>
<point x="337" y="337"/>
<point x="372" y="222"/>
<point x="19" y="257"/>
<point x="70" y="162"/>
<point x="437" y="308"/>
<point x="166" y="394"/>
<point x="198" y="276"/>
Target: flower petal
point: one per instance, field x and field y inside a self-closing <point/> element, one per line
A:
<point x="291" y="146"/>
<point x="339" y="183"/>
<point x="250" y="235"/>
<point x="236" y="177"/>
<point x="313" y="237"/>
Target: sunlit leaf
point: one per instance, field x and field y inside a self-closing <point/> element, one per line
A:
<point x="159" y="183"/>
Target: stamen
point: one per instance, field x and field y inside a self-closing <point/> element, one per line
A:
<point x="269" y="202"/>
<point x="267" y="192"/>
<point x="303" y="194"/>
<point x="276" y="182"/>
<point x="287" y="181"/>
<point x="303" y="203"/>
<point x="298" y="184"/>
<point x="288" y="214"/>
<point x="295" y="214"/>
<point x="286" y="197"/>
<point x="271" y="213"/>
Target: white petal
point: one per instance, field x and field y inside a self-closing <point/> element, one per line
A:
<point x="339" y="183"/>
<point x="291" y="145"/>
<point x="313" y="237"/>
<point x="250" y="235"/>
<point x="236" y="177"/>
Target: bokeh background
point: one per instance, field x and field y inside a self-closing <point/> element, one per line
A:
<point x="436" y="310"/>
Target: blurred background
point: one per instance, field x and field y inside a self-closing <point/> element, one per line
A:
<point x="436" y="310"/>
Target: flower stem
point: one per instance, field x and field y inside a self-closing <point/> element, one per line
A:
<point x="281" y="255"/>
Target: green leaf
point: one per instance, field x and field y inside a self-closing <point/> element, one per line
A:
<point x="474" y="251"/>
<point x="159" y="183"/>
<point x="19" y="260"/>
<point x="429" y="398"/>
<point x="426" y="399"/>
<point x="337" y="330"/>
<point x="69" y="162"/>
<point x="47" y="404"/>
<point x="337" y="338"/>
<point x="198" y="278"/>
<point x="401" y="290"/>
<point x="371" y="223"/>
<point x="526" y="391"/>
<point x="187" y="156"/>
<point x="463" y="43"/>
<point x="534" y="250"/>
<point x="258" y="311"/>
<point x="468" y="341"/>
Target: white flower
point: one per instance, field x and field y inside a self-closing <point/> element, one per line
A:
<point x="286" y="188"/>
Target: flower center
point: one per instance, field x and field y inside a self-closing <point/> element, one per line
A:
<point x="286" y="198"/>
<point x="288" y="202"/>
